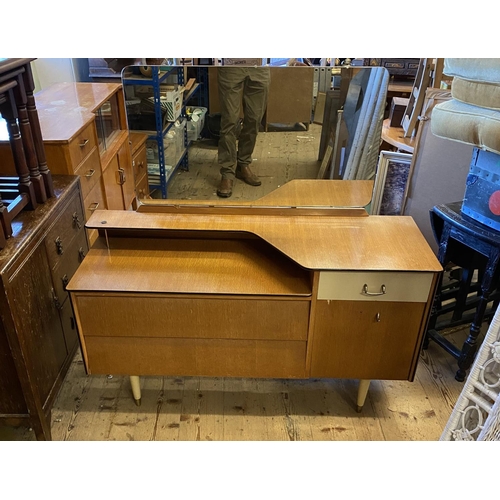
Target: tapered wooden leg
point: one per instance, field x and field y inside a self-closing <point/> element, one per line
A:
<point x="362" y="392"/>
<point x="135" y="383"/>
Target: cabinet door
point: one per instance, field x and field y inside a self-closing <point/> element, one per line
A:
<point x="37" y="320"/>
<point x="365" y="339"/>
<point x="119" y="180"/>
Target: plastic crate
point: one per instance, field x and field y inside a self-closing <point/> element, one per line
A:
<point x="196" y="122"/>
<point x="482" y="192"/>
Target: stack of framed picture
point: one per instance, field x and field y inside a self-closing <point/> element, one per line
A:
<point x="391" y="183"/>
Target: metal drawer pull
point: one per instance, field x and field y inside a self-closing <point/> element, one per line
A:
<point x="372" y="294"/>
<point x="59" y="245"/>
<point x="81" y="253"/>
<point x="90" y="173"/>
<point x="76" y="220"/>
<point x="65" y="281"/>
<point x="377" y="317"/>
<point x="84" y="143"/>
<point x="123" y="178"/>
<point x="94" y="206"/>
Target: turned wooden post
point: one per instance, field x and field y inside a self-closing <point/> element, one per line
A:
<point x="36" y="131"/>
<point x="28" y="140"/>
<point x="9" y="112"/>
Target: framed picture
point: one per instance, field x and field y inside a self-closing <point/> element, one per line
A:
<point x="391" y="183"/>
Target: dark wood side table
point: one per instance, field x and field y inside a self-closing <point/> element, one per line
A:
<point x="475" y="248"/>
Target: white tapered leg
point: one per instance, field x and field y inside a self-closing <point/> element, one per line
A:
<point x="135" y="383"/>
<point x="362" y="392"/>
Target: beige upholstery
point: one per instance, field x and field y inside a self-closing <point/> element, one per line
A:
<point x="467" y="123"/>
<point x="472" y="116"/>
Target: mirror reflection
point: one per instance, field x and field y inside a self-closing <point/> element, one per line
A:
<point x="197" y="128"/>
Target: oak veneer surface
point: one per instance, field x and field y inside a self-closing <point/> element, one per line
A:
<point x="64" y="109"/>
<point x="314" y="242"/>
<point x="190" y="266"/>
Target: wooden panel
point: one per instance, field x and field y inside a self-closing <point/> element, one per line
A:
<point x="127" y="174"/>
<point x="195" y="317"/>
<point x="69" y="326"/>
<point x="290" y="97"/>
<point x="90" y="172"/>
<point x="210" y="358"/>
<point x="82" y="144"/>
<point x="142" y="187"/>
<point x="349" y="342"/>
<point x="242" y="267"/>
<point x="64" y="230"/>
<point x="399" y="287"/>
<point x="140" y="164"/>
<point x="95" y="200"/>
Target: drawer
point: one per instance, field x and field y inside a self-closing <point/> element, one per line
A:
<point x="69" y="263"/>
<point x="90" y="172"/>
<point x="142" y="187"/>
<point x="95" y="200"/>
<point x="148" y="315"/>
<point x="82" y="144"/>
<point x="374" y="285"/>
<point x="195" y="357"/>
<point x="140" y="163"/>
<point x="64" y="231"/>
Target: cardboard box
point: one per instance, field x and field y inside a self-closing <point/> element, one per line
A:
<point x="398" y="108"/>
<point x="244" y="62"/>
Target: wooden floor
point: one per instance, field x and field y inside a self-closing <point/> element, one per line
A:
<point x="101" y="408"/>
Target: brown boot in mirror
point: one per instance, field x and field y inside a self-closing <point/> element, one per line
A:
<point x="225" y="189"/>
<point x="246" y="175"/>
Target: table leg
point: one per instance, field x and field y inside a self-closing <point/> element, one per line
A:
<point x="135" y="383"/>
<point x="362" y="392"/>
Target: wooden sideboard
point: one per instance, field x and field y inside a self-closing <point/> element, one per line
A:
<point x="84" y="130"/>
<point x="38" y="336"/>
<point x="261" y="291"/>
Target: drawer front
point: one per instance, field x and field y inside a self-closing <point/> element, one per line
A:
<point x="131" y="315"/>
<point x="82" y="144"/>
<point x="195" y="357"/>
<point x="64" y="231"/>
<point x="89" y="172"/>
<point x="140" y="163"/>
<point x="374" y="285"/>
<point x="69" y="263"/>
<point x="142" y="188"/>
<point x="95" y="200"/>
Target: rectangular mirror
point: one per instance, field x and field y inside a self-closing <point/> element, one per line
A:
<point x="318" y="123"/>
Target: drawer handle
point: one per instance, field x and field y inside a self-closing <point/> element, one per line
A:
<point x="76" y="220"/>
<point x="90" y="173"/>
<point x="59" y="245"/>
<point x="377" y="317"/>
<point x="81" y="253"/>
<point x="94" y="206"/>
<point x="373" y="294"/>
<point x="122" y="175"/>
<point x="84" y="143"/>
<point x="65" y="281"/>
<point x="55" y="299"/>
<point x="141" y="165"/>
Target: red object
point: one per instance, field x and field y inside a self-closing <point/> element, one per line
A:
<point x="494" y="203"/>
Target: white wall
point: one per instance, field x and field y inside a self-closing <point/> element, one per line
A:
<point x="46" y="72"/>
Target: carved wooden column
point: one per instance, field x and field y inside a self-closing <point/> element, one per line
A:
<point x="36" y="130"/>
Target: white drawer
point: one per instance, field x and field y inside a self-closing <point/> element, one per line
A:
<point x="373" y="285"/>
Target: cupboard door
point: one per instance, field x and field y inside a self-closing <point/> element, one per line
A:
<point x="126" y="175"/>
<point x="365" y="340"/>
<point x="112" y="186"/>
<point x="36" y="315"/>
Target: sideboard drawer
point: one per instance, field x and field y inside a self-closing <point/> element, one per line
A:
<point x="82" y="144"/>
<point x="147" y="315"/>
<point x="89" y="172"/>
<point x="63" y="232"/>
<point x="375" y="285"/>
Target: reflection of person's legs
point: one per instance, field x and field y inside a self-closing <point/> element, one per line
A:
<point x="230" y="82"/>
<point x="254" y="104"/>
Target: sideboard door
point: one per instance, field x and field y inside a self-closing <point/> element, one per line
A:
<point x="365" y="339"/>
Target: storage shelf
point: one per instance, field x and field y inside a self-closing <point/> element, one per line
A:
<point x="147" y="80"/>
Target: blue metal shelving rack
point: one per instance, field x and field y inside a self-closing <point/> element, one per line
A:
<point x="159" y="75"/>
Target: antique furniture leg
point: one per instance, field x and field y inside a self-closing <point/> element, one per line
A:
<point x="362" y="392"/>
<point x="36" y="131"/>
<point x="28" y="141"/>
<point x="469" y="347"/>
<point x="135" y="383"/>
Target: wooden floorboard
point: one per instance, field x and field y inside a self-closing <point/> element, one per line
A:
<point x="98" y="408"/>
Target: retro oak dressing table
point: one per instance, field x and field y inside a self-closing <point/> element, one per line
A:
<point x="282" y="287"/>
